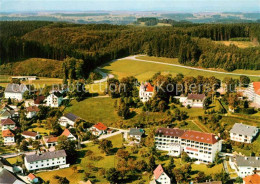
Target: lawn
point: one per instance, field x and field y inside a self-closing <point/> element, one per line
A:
<point x="191" y="126"/>
<point x="40" y="130"/>
<point x="144" y="71"/>
<point x="98" y="88"/>
<point x="13" y="160"/>
<point x="208" y="171"/>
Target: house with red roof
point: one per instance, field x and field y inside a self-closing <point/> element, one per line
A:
<point x="198" y="145"/>
<point x="32" y="178"/>
<point x="253" y="93"/>
<point x="252" y="179"/>
<point x="160" y="176"/>
<point x="32" y="111"/>
<point x="98" y="129"/>
<point x="50" y="141"/>
<point x="146" y="92"/>
<point x="7" y="124"/>
<point x="68" y="134"/>
<point x="8" y="136"/>
<point x="30" y="135"/>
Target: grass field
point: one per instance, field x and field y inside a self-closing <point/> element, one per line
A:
<point x="240" y="44"/>
<point x="144" y="71"/>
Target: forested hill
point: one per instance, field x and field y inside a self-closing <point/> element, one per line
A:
<point x="99" y="43"/>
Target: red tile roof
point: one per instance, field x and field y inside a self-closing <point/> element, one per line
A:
<point x="173" y="132"/>
<point x="100" y="126"/>
<point x="252" y="179"/>
<point x="66" y="132"/>
<point x="149" y="87"/>
<point x="7" y="121"/>
<point x="39" y="99"/>
<point x="31" y="176"/>
<point x="7" y="133"/>
<point x="199" y="137"/>
<point x="158" y="172"/>
<point x="32" y="109"/>
<point x="196" y="96"/>
<point x="52" y="139"/>
<point x="29" y="133"/>
<point x="257" y="87"/>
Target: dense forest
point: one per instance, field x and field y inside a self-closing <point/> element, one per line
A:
<point x="96" y="44"/>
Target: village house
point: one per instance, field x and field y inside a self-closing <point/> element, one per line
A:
<point x="68" y="119"/>
<point x="39" y="100"/>
<point x="146" y="92"/>
<point x="8" y="136"/>
<point x="243" y="133"/>
<point x="195" y="100"/>
<point x="244" y="166"/>
<point x="198" y="145"/>
<point x="8" y="112"/>
<point x="8" y="124"/>
<point x="31" y="111"/>
<point x="251" y="179"/>
<point x="160" y="176"/>
<point x="32" y="178"/>
<point x="54" y="99"/>
<point x="136" y="133"/>
<point x="68" y="134"/>
<point x="98" y="129"/>
<point x="50" y="141"/>
<point x="253" y="93"/>
<point x="45" y="160"/>
<point x="15" y="91"/>
<point x="30" y="135"/>
<point x="7" y="177"/>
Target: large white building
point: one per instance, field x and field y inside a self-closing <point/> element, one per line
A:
<point x="68" y="119"/>
<point x="160" y="176"/>
<point x="146" y="92"/>
<point x="54" y="99"/>
<point x="253" y="93"/>
<point x="243" y="133"/>
<point x="45" y="160"/>
<point x="198" y="145"/>
<point x="15" y="91"/>
<point x="244" y="166"/>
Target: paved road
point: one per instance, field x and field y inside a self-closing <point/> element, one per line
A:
<point x="188" y="67"/>
<point x="104" y="75"/>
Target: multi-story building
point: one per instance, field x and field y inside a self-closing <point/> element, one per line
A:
<point x="50" y="141"/>
<point x="98" y="129"/>
<point x="68" y="134"/>
<point x="31" y="111"/>
<point x="198" y="145"/>
<point x="253" y="93"/>
<point x="243" y="133"/>
<point x="7" y="124"/>
<point x="244" y="166"/>
<point x="15" y="91"/>
<point x="136" y="133"/>
<point x="68" y="119"/>
<point x="160" y="176"/>
<point x="8" y="136"/>
<point x="45" y="160"/>
<point x="195" y="100"/>
<point x="54" y="99"/>
<point x="146" y="92"/>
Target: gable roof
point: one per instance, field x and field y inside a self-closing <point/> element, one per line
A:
<point x="100" y="126"/>
<point x="66" y="132"/>
<point x="32" y="109"/>
<point x="199" y="136"/>
<point x="252" y="179"/>
<point x="50" y="139"/>
<point x="242" y="161"/>
<point x="7" y="121"/>
<point x="196" y="96"/>
<point x="173" y="132"/>
<point x="7" y="133"/>
<point x="158" y="172"/>
<point x="88" y="182"/>
<point x="7" y="177"/>
<point x="256" y="86"/>
<point x="39" y="99"/>
<point x="243" y="129"/>
<point x="148" y="87"/>
<point x="136" y="131"/>
<point x="31" y="176"/>
<point x="71" y="116"/>
<point x="29" y="133"/>
<point x="16" y="88"/>
<point x="46" y="155"/>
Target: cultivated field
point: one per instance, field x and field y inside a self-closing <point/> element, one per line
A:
<point x="240" y="44"/>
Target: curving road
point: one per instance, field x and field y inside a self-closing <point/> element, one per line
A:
<point x="187" y="67"/>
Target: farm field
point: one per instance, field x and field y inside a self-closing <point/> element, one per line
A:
<point x="144" y="70"/>
<point x="240" y="44"/>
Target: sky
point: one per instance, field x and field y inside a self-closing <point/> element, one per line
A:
<point x="131" y="5"/>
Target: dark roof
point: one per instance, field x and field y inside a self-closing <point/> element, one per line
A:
<point x="247" y="161"/>
<point x="7" y="177"/>
<point x="7" y="121"/>
<point x="173" y="132"/>
<point x="196" y="96"/>
<point x="45" y="156"/>
<point x="71" y="116"/>
<point x="243" y="129"/>
<point x="136" y="131"/>
<point x="39" y="99"/>
<point x="16" y="88"/>
<point x="32" y="109"/>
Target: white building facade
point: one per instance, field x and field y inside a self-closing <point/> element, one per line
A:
<point x="54" y="100"/>
<point x="160" y="176"/>
<point x="15" y="91"/>
<point x="253" y="93"/>
<point x="146" y="92"/>
<point x="243" y="133"/>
